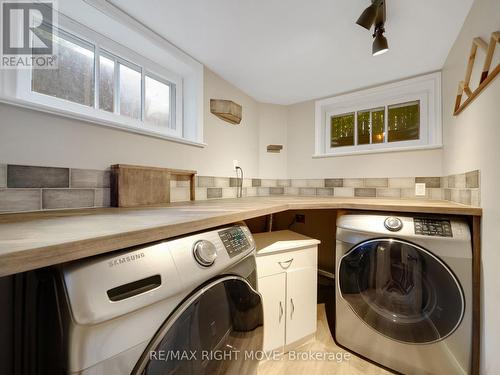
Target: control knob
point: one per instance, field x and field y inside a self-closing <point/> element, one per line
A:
<point x="394" y="224"/>
<point x="204" y="252"/>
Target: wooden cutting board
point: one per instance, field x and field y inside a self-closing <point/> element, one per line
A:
<point x="137" y="186"/>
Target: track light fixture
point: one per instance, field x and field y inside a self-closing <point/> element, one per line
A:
<point x="375" y="15"/>
<point x="380" y="45"/>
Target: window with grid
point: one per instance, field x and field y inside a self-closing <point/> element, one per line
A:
<point x="373" y="126"/>
<point x="402" y="115"/>
<point x="123" y="88"/>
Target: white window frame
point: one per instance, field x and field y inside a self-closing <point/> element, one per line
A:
<point x="17" y="88"/>
<point x="425" y="89"/>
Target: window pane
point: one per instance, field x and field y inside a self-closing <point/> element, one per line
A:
<point x="378" y="126"/>
<point x="342" y="130"/>
<point x="363" y="128"/>
<point x="106" y="84"/>
<point x="157" y="106"/>
<point x="404" y="121"/>
<point x="130" y="92"/>
<point x="73" y="79"/>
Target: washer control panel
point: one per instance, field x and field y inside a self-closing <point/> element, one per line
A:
<point x="235" y="241"/>
<point x="432" y="227"/>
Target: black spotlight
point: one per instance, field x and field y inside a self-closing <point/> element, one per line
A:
<point x="368" y="16"/>
<point x="375" y="14"/>
<point x="380" y="45"/>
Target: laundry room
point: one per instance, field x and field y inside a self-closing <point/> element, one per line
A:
<point x="249" y="188"/>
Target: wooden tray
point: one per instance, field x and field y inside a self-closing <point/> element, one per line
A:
<point x="137" y="186"/>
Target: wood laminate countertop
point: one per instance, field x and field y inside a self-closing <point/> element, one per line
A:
<point x="38" y="239"/>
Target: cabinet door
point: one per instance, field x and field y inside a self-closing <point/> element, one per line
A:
<point x="301" y="303"/>
<point x="272" y="289"/>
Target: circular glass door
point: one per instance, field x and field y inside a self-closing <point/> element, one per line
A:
<point x="401" y="290"/>
<point x="209" y="333"/>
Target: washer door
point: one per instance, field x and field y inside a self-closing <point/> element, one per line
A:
<point x="401" y="290"/>
<point x="209" y="333"/>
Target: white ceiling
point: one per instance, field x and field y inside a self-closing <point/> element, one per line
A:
<point x="287" y="51"/>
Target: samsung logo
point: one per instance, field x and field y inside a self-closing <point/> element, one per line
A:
<point x="125" y="259"/>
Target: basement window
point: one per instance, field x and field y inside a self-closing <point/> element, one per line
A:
<point x="124" y="89"/>
<point x="100" y="81"/>
<point x="400" y="116"/>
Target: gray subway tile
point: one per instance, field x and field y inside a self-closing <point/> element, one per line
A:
<point x="465" y="196"/>
<point x="221" y="181"/>
<point x="460" y="180"/>
<point x="284" y="183"/>
<point x="376" y="182"/>
<point x="388" y="192"/>
<point x="435" y="193"/>
<point x="447" y="194"/>
<point x="334" y="182"/>
<point x="343" y="192"/>
<point x="214" y="192"/>
<point x="3" y="175"/>
<point x="67" y="198"/>
<point x="324" y="191"/>
<point x="292" y="190"/>
<point x="475" y="196"/>
<point x="444" y="182"/>
<point x="353" y="182"/>
<point x="230" y="192"/>
<point x="451" y="181"/>
<point x="276" y="190"/>
<point x="472" y="179"/>
<point x="430" y="182"/>
<point x="268" y="182"/>
<point x="234" y="182"/>
<point x="263" y="191"/>
<point x="15" y="200"/>
<point x="365" y="192"/>
<point x="402" y="182"/>
<point x="307" y="191"/>
<point x="89" y="178"/>
<point x="102" y="197"/>
<point x="205" y="181"/>
<point x="256" y="182"/>
<point x="23" y="176"/>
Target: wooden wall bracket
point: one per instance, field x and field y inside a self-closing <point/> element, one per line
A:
<point x="486" y="76"/>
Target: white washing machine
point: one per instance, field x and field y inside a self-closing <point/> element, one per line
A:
<point x="182" y="306"/>
<point x="404" y="291"/>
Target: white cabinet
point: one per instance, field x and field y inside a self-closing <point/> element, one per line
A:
<point x="272" y="289"/>
<point x="287" y="280"/>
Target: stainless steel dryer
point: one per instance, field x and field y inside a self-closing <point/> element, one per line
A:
<point x="404" y="291"/>
<point x="183" y="306"/>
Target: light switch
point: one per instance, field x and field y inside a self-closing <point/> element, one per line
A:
<point x="420" y="189"/>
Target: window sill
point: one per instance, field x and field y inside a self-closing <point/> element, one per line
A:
<point x="98" y="121"/>
<point x="377" y="151"/>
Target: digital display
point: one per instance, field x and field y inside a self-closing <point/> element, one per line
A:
<point x="433" y="227"/>
<point x="234" y="240"/>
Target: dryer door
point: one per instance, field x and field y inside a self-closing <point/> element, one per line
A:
<point x="209" y="333"/>
<point x="401" y="290"/>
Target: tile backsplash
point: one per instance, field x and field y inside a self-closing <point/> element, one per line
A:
<point x="32" y="188"/>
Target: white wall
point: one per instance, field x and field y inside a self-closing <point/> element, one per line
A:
<point x="471" y="142"/>
<point x="272" y="130"/>
<point x="300" y="142"/>
<point x="35" y="138"/>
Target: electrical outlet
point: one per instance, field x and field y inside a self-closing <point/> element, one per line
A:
<point x="236" y="163"/>
<point x="420" y="189"/>
<point x="300" y="218"/>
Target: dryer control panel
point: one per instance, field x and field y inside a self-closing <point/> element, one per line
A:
<point x="432" y="227"/>
<point x="235" y="241"/>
